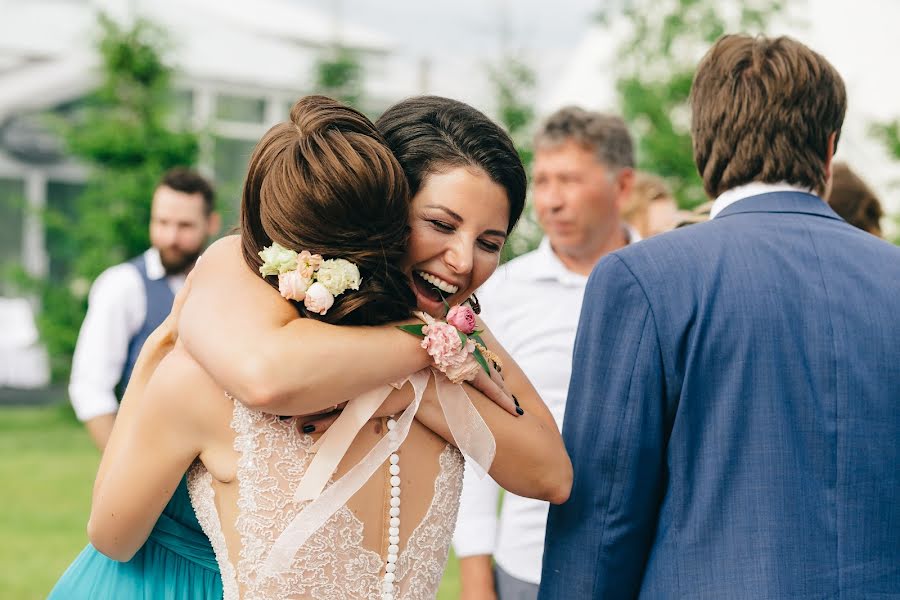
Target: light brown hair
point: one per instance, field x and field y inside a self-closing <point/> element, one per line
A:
<point x="763" y="110"/>
<point x="646" y="188"/>
<point x="326" y="182"/>
<point x="854" y="201"/>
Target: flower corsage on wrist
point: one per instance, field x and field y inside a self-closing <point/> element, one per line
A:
<point x="454" y="344"/>
<point x="309" y="278"/>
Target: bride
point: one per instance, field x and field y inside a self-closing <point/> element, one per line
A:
<point x="326" y="191"/>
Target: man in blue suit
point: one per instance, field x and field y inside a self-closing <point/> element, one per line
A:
<point x="734" y="409"/>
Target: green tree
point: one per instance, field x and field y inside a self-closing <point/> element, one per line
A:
<point x="656" y="67"/>
<point x="122" y="132"/>
<point x="339" y="74"/>
<point x="514" y="84"/>
<point x="889" y="135"/>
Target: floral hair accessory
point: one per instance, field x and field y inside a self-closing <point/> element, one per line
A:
<point x="307" y="277"/>
<point x="455" y="345"/>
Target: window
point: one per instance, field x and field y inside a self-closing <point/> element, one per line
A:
<point x="230" y="159"/>
<point x="245" y="109"/>
<point x="62" y="211"/>
<point x="12" y="224"/>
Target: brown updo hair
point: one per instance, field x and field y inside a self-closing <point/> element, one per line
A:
<point x="326" y="182"/>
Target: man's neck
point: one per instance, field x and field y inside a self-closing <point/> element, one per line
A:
<point x="582" y="260"/>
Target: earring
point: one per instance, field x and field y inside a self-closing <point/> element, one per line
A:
<point x="473" y="302"/>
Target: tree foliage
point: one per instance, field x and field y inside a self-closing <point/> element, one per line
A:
<point x="123" y="133"/>
<point x="514" y="84"/>
<point x="339" y="74"/>
<point x="656" y="67"/>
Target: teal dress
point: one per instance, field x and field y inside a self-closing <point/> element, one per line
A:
<point x="176" y="563"/>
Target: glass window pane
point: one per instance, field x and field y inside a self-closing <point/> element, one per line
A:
<point x="240" y="108"/>
<point x="230" y="159"/>
<point x="183" y="105"/>
<point x="12" y="222"/>
<point x="62" y="211"/>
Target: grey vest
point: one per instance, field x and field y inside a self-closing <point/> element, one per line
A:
<point x="159" y="299"/>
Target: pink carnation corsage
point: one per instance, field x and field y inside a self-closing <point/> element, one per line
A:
<point x="454" y="345"/>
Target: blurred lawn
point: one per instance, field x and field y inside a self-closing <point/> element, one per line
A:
<point x="47" y="467"/>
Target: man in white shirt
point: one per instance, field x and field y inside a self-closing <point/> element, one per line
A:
<point x="583" y="171"/>
<point x="129" y="300"/>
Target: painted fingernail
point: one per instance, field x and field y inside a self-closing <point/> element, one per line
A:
<point x="516" y="400"/>
<point x="309" y="428"/>
<point x="520" y="411"/>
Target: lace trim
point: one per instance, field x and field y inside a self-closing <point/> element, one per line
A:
<point x="203" y="499"/>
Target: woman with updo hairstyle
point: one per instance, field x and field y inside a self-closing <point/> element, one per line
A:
<point x="330" y="165"/>
<point x="325" y="186"/>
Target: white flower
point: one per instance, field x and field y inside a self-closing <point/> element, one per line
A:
<point x="293" y="285"/>
<point x="338" y="275"/>
<point x="318" y="299"/>
<point x="277" y="260"/>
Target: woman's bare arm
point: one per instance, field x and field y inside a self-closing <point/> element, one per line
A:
<point x="531" y="458"/>
<point x="249" y="339"/>
<point x="156" y="437"/>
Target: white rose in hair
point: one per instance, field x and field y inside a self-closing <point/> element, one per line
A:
<point x="277" y="260"/>
<point x="318" y="299"/>
<point x="338" y="276"/>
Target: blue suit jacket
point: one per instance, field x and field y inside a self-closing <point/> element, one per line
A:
<point x="734" y="414"/>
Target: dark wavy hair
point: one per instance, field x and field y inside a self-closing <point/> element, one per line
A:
<point x="326" y="182"/>
<point x="431" y="134"/>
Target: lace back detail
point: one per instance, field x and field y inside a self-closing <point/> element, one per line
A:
<point x="333" y="564"/>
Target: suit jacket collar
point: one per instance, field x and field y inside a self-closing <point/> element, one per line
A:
<point x="781" y="202"/>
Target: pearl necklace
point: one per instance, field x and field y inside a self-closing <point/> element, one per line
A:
<point x="393" y="552"/>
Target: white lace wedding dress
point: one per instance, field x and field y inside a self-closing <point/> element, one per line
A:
<point x="347" y="558"/>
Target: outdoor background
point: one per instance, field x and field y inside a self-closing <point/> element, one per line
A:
<point x="98" y="97"/>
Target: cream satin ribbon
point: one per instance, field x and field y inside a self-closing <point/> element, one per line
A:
<point x="471" y="433"/>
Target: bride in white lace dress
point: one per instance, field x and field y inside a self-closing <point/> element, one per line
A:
<point x="390" y="535"/>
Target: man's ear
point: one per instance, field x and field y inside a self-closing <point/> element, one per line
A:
<point x="624" y="183"/>
<point x="213" y="223"/>
<point x="829" y="161"/>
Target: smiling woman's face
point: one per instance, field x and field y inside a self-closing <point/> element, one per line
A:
<point x="458" y="221"/>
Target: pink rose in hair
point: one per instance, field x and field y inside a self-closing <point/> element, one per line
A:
<point x="318" y="299"/>
<point x="444" y="346"/>
<point x="462" y="317"/>
<point x="293" y="285"/>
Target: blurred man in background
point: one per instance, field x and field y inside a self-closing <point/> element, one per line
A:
<point x="129" y="300"/>
<point x="583" y="171"/>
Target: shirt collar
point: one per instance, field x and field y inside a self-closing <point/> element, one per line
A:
<point x="153" y="263"/>
<point x="755" y="188"/>
<point x="549" y="266"/>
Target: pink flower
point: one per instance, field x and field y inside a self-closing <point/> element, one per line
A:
<point x="293" y="285"/>
<point x="443" y="344"/>
<point x="318" y="299"/>
<point x="307" y="263"/>
<point x="462" y="317"/>
<point x="464" y="372"/>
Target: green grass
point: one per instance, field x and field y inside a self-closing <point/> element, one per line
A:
<point x="47" y="467"/>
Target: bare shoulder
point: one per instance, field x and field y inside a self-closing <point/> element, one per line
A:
<point x="180" y="384"/>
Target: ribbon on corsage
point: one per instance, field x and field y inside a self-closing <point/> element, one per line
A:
<point x="472" y="435"/>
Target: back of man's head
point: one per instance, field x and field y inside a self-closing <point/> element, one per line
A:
<point x="763" y="109"/>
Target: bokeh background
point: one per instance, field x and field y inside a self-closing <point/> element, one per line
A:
<point x="98" y="97"/>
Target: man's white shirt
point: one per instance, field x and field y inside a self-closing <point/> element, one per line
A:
<point x="117" y="307"/>
<point x="532" y="305"/>
<point x="755" y="188"/>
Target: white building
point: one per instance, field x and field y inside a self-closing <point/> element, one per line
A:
<point x="240" y="66"/>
